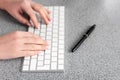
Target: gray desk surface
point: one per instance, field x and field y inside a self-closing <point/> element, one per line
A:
<point x="98" y="58"/>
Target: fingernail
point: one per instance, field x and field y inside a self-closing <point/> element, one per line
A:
<point x="28" y="24"/>
<point x="48" y="22"/>
<point x="38" y="26"/>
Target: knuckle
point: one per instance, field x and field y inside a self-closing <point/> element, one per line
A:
<point x="24" y="2"/>
<point x="32" y="15"/>
<point x="40" y="7"/>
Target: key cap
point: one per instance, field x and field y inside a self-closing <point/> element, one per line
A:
<point x="61" y="56"/>
<point x="60" y="61"/>
<point x="61" y="51"/>
<point x="27" y="58"/>
<point x="33" y="64"/>
<point x="37" y="32"/>
<point x="35" y="56"/>
<point x="53" y="65"/>
<point x="54" y="59"/>
<point x="47" y="62"/>
<point x="31" y="29"/>
<point x="60" y="67"/>
<point x="47" y="57"/>
<point x="54" y="53"/>
<point x="46" y="67"/>
<point x="26" y="62"/>
<point x="25" y="68"/>
<point x="40" y="58"/>
<point x="40" y="63"/>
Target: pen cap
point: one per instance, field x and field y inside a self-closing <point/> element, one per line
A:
<point x="90" y="29"/>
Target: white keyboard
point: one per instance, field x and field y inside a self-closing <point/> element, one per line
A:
<point x="53" y="58"/>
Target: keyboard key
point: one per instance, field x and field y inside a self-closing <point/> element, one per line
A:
<point x="49" y="33"/>
<point x="55" y="35"/>
<point x="61" y="37"/>
<point x="49" y="38"/>
<point x="61" y="51"/>
<point x="25" y="68"/>
<point x="31" y="29"/>
<point x="61" y="56"/>
<point x="53" y="65"/>
<point x="55" y="44"/>
<point x="60" y="61"/>
<point x="40" y="58"/>
<point x="27" y="58"/>
<point x="35" y="56"/>
<point x="60" y="67"/>
<point x="61" y="42"/>
<point x="47" y="62"/>
<point x="54" y="59"/>
<point x="47" y="57"/>
<point x="26" y="62"/>
<point x="46" y="67"/>
<point x="33" y="64"/>
<point x="40" y="63"/>
<point x="54" y="54"/>
<point x="54" y="49"/>
<point x="55" y="39"/>
<point x="47" y="51"/>
<point x="37" y="32"/>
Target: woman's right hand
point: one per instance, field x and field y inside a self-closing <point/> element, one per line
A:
<point x="20" y="44"/>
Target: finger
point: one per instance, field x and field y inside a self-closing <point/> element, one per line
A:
<point x="28" y="53"/>
<point x="23" y="34"/>
<point x="48" y="16"/>
<point x="34" y="40"/>
<point x="21" y="19"/>
<point x="48" y="11"/>
<point x="44" y="17"/>
<point x="32" y="16"/>
<point x="34" y="47"/>
<point x="40" y="10"/>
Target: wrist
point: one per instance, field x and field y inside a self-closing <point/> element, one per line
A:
<point x="0" y="44"/>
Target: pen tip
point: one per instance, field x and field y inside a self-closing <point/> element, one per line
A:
<point x="94" y="25"/>
<point x="73" y="50"/>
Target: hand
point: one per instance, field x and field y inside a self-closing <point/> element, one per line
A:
<point x="19" y="44"/>
<point x="17" y="7"/>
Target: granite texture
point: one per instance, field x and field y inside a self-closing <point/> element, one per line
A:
<point x="98" y="58"/>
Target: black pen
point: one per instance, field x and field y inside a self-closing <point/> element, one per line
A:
<point x="89" y="31"/>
